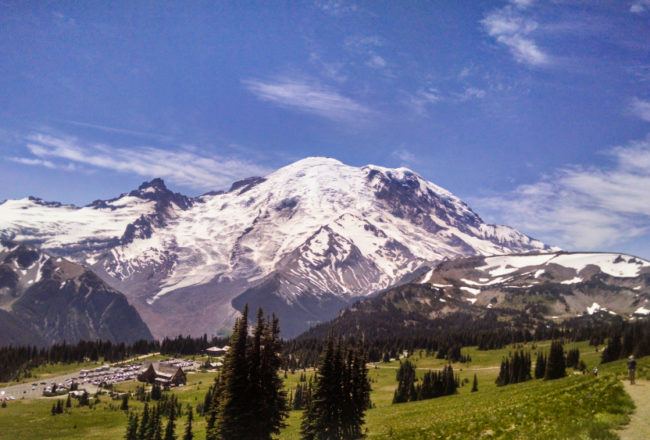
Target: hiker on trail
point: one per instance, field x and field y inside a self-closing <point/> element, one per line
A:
<point x="595" y="371"/>
<point x="631" y="367"/>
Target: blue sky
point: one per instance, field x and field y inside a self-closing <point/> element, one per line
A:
<point x="535" y="113"/>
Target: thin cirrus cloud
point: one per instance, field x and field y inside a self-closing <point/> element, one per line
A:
<point x="307" y="97"/>
<point x="511" y="28"/>
<point x="181" y="167"/>
<point x="583" y="208"/>
<point x="640" y="109"/>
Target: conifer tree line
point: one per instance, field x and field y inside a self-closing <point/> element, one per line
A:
<point x="454" y="331"/>
<point x="15" y="361"/>
<point x="340" y="397"/>
<point x="301" y="397"/>
<point x="630" y="339"/>
<point x="556" y="362"/>
<point x="514" y="369"/>
<point x="540" y="365"/>
<point x="573" y="358"/>
<point x="433" y="383"/>
<point x="150" y="424"/>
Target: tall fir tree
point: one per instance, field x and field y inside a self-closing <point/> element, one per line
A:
<point x="475" y="384"/>
<point x="405" y="391"/>
<point x="340" y="397"/>
<point x="170" y="429"/>
<point x="555" y="364"/>
<point x="132" y="427"/>
<point x="248" y="401"/>
<point x="188" y="435"/>
<point x="613" y="350"/>
<point x="234" y="408"/>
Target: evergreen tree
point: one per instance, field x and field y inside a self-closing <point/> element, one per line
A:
<point x="573" y="358"/>
<point x="405" y="391"/>
<point x="156" y="392"/>
<point x="340" y="396"/>
<point x="475" y="384"/>
<point x="613" y="350"/>
<point x="125" y="402"/>
<point x="188" y="435"/>
<point x="144" y="423"/>
<point x="271" y="400"/>
<point x="132" y="428"/>
<point x="68" y="402"/>
<point x="555" y="364"/>
<point x="171" y="423"/>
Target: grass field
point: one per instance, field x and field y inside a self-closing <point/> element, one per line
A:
<point x="579" y="406"/>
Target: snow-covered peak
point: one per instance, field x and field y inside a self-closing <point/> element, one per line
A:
<point x="612" y="264"/>
<point x="377" y="225"/>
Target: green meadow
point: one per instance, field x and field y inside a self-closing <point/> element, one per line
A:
<point x="578" y="406"/>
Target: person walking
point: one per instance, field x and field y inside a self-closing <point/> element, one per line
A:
<point x="631" y="369"/>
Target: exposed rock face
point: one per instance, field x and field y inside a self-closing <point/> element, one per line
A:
<point x="554" y="285"/>
<point x="45" y="299"/>
<point x="302" y="241"/>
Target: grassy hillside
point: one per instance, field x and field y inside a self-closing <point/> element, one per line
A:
<point x="579" y="406"/>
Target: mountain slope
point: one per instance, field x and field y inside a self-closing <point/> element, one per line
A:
<point x="302" y="241"/>
<point x="46" y="299"/>
<point x="556" y="285"/>
<point x="513" y="291"/>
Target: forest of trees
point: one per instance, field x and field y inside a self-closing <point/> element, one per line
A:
<point x="515" y="369"/>
<point x="433" y="383"/>
<point x="18" y="361"/>
<point x="340" y="397"/>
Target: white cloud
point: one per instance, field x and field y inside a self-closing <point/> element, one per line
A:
<point x="423" y="98"/>
<point x="510" y="28"/>
<point x="404" y="156"/>
<point x="640" y="6"/>
<point x="471" y="93"/>
<point x="640" y="109"/>
<point x="336" y="7"/>
<point x="376" y="62"/>
<point x="182" y="167"/>
<point x="522" y="3"/>
<point x="307" y="97"/>
<point x="583" y="208"/>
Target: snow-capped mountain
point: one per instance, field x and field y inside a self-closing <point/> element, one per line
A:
<point x="46" y="299"/>
<point x="556" y="285"/>
<point x="302" y="241"/>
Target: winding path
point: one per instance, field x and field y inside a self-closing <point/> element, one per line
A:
<point x="639" y="427"/>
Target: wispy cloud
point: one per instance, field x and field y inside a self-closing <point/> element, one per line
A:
<point x="419" y="101"/>
<point x="308" y="97"/>
<point x="367" y="47"/>
<point x="510" y="27"/>
<point x="583" y="208"/>
<point x="471" y="93"/>
<point x="181" y="166"/>
<point x="110" y="129"/>
<point x="406" y="157"/>
<point x="640" y="109"/>
<point x="336" y="7"/>
<point x="640" y="6"/>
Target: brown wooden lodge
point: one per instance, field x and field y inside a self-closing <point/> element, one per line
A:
<point x="163" y="374"/>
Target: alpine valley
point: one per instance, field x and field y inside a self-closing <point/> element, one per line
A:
<point x="305" y="242"/>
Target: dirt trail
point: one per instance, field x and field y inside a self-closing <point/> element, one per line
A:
<point x="639" y="427"/>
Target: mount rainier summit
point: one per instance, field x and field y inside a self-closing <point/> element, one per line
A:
<point x="302" y="242"/>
